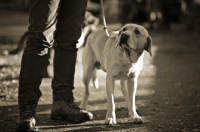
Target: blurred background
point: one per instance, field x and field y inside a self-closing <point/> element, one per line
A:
<point x="168" y="93"/>
<point x="153" y="14"/>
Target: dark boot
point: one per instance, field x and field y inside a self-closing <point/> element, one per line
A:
<point x="68" y="110"/>
<point x="26" y="121"/>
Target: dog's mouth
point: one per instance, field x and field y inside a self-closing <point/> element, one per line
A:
<point x="124" y="42"/>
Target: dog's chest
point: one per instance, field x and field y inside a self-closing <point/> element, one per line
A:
<point x="125" y="71"/>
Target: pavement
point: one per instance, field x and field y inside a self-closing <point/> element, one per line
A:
<point x="168" y="95"/>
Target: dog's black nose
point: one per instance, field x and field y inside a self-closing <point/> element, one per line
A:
<point x="124" y="35"/>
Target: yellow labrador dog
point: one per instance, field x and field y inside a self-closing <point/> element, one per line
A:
<point x="121" y="57"/>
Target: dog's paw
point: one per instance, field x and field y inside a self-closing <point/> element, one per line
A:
<point x="110" y="121"/>
<point x="137" y="120"/>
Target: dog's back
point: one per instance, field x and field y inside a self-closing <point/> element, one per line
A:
<point x="95" y="44"/>
<point x="97" y="39"/>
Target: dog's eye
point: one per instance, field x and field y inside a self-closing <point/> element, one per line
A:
<point x="137" y="31"/>
<point x="124" y="29"/>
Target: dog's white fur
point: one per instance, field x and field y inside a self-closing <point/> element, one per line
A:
<point x="122" y="58"/>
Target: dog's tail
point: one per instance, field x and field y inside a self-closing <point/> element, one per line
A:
<point x="95" y="79"/>
<point x="20" y="45"/>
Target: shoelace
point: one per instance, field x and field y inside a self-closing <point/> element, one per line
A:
<point x="27" y="111"/>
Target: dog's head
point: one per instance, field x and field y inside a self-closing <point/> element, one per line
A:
<point x="134" y="39"/>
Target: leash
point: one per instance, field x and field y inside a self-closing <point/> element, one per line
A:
<point x="104" y="20"/>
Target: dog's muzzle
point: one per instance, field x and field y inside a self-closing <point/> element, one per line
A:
<point x="124" y="39"/>
<point x="128" y="50"/>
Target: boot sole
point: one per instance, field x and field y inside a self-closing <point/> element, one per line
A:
<point x="68" y="118"/>
<point x="57" y="117"/>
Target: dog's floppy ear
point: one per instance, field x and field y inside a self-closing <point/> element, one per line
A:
<point x="148" y="45"/>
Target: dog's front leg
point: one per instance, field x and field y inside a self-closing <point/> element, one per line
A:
<point x="124" y="91"/>
<point x="110" y="116"/>
<point x="132" y="88"/>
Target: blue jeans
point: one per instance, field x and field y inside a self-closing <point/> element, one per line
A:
<point x="51" y="22"/>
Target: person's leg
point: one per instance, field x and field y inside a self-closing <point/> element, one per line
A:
<point x="68" y="31"/>
<point x="42" y="18"/>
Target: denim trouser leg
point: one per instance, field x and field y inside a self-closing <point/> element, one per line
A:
<point x="44" y="20"/>
<point x="69" y="24"/>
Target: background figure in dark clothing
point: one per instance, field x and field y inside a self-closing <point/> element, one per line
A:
<point x="133" y="11"/>
<point x="192" y="15"/>
<point x="171" y="10"/>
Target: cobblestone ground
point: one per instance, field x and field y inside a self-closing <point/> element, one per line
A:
<point x="168" y="95"/>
